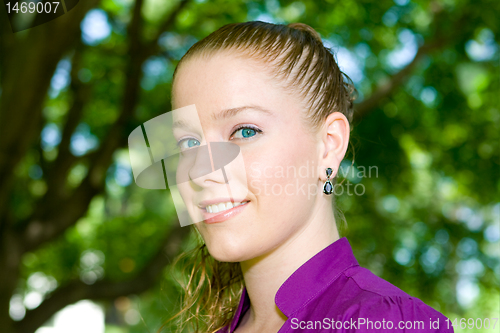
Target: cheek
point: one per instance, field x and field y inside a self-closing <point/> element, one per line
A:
<point x="286" y="171"/>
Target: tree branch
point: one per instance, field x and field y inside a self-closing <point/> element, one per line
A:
<point x="38" y="55"/>
<point x="44" y="227"/>
<point x="81" y="95"/>
<point x="441" y="40"/>
<point x="106" y="290"/>
<point x="6" y="42"/>
<point x="386" y="89"/>
<point x="49" y="224"/>
<point x="57" y="171"/>
<point x="152" y="47"/>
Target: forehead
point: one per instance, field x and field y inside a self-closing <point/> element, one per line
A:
<point x="223" y="80"/>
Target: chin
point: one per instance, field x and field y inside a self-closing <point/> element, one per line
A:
<point x="229" y="252"/>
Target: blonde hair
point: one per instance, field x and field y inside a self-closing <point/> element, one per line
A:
<point x="295" y="56"/>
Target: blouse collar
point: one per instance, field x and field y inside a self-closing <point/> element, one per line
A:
<point x="308" y="281"/>
<point x="314" y="276"/>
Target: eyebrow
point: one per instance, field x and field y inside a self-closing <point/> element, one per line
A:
<point x="228" y="113"/>
<point x="181" y="123"/>
<point x="224" y="114"/>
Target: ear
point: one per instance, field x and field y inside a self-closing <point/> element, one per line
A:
<point x="334" y="141"/>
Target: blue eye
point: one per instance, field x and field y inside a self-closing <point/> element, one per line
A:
<point x="188" y="143"/>
<point x="245" y="132"/>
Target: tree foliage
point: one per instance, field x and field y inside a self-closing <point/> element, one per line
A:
<point x="422" y="201"/>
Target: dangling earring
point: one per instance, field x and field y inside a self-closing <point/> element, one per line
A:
<point x="328" y="187"/>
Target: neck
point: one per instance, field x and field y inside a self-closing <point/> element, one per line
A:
<point x="265" y="274"/>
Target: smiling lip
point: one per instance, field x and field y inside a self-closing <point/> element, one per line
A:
<point x="221" y="216"/>
<point x="205" y="203"/>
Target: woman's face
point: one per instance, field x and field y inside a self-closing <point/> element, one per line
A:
<point x="280" y="155"/>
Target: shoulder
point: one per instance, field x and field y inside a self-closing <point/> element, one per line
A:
<point x="375" y="304"/>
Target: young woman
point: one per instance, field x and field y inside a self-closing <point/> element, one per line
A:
<point x="272" y="261"/>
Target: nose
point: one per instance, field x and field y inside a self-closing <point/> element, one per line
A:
<point x="202" y="169"/>
<point x="207" y="163"/>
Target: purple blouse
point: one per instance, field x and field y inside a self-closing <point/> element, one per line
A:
<point x="332" y="293"/>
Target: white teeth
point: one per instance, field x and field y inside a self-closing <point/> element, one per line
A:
<point x="222" y="207"/>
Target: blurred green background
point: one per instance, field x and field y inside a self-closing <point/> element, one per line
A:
<point x="74" y="226"/>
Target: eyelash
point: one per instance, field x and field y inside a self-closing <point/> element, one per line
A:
<point x="256" y="129"/>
